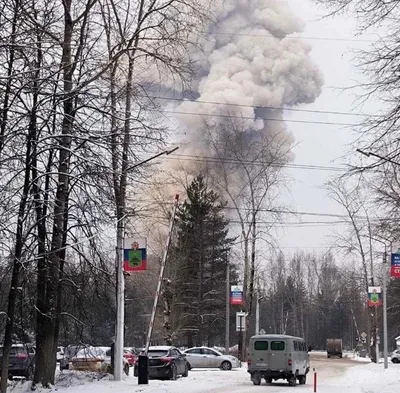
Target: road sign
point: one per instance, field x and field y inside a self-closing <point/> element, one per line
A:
<point x="240" y="321"/>
<point x="262" y="331"/>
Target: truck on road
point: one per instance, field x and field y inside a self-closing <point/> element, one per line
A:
<point x="334" y="347"/>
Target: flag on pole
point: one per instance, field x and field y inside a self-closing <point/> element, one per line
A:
<point x="135" y="254"/>
<point x="374" y="296"/>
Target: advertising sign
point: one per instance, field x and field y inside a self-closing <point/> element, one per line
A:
<point x="395" y="265"/>
<point x="374" y="296"/>
<point x="135" y="255"/>
<point x="236" y="294"/>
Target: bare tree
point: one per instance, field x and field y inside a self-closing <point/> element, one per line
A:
<point x="359" y="238"/>
<point x="247" y="168"/>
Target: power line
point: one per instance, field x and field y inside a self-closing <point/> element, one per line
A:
<point x="255" y="118"/>
<point x="191" y="100"/>
<point x="287" y="37"/>
<point x="279" y="211"/>
<point x="194" y="158"/>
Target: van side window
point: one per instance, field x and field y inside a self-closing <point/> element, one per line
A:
<point x="261" y="345"/>
<point x="296" y="345"/>
<point x="277" y="345"/>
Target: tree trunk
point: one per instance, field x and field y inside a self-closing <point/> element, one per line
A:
<point x="10" y="70"/>
<point x="13" y="293"/>
<point x="50" y="275"/>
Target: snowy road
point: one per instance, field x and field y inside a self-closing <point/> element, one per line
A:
<point x="334" y="376"/>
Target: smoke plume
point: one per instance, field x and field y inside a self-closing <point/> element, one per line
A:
<point x="252" y="60"/>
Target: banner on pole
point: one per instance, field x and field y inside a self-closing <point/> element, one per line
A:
<point x="236" y="294"/>
<point x="395" y="265"/>
<point x="135" y="255"/>
<point x="374" y="296"/>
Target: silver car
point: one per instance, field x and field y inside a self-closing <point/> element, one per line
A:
<point x="203" y="357"/>
<point x="396" y="356"/>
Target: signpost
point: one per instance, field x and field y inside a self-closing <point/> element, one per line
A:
<point x="240" y="327"/>
<point x="363" y="337"/>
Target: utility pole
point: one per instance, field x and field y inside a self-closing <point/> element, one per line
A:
<point x="227" y="312"/>
<point x="385" y="327"/>
<point x="257" y="313"/>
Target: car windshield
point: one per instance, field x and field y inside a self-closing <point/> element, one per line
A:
<point x="157" y="353"/>
<point x="14" y="350"/>
<point x="91" y="352"/>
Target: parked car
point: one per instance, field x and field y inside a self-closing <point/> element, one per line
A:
<point x="165" y="362"/>
<point x="60" y="353"/>
<point x="395" y="357"/>
<point x="21" y="362"/>
<point x="95" y="359"/>
<point x="203" y="357"/>
<point x="69" y="352"/>
<point x="130" y="356"/>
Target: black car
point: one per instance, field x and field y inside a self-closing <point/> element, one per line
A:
<point x="165" y="362"/>
<point x="22" y="361"/>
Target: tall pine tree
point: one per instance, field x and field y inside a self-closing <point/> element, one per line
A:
<point x="200" y="262"/>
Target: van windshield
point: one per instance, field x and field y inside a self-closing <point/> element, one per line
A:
<point x="277" y="345"/>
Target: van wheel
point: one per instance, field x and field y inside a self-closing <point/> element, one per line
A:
<point x="292" y="380"/>
<point x="302" y="380"/>
<point x="268" y="380"/>
<point x="257" y="381"/>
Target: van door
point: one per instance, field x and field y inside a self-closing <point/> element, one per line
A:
<point x="260" y="353"/>
<point x="278" y="355"/>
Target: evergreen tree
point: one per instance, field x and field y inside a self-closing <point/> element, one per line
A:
<point x="200" y="262"/>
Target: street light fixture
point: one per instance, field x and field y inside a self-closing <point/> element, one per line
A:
<point x="369" y="154"/>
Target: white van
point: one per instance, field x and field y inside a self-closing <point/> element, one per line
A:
<point x="277" y="356"/>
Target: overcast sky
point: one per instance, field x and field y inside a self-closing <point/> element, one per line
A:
<point x="332" y="40"/>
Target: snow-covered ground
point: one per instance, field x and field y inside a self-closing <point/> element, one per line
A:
<point x="333" y="376"/>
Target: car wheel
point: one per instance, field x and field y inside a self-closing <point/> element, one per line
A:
<point x="186" y="372"/>
<point x="174" y="372"/>
<point x="225" y="365"/>
<point x="302" y="380"/>
<point x="395" y="360"/>
<point x="292" y="380"/>
<point x="256" y="378"/>
<point x="29" y="373"/>
<point x="189" y="366"/>
<point x="268" y="380"/>
<point x="126" y="369"/>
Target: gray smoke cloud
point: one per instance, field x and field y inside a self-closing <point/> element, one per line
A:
<point x="253" y="60"/>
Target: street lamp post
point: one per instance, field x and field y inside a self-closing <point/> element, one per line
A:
<point x="120" y="284"/>
<point x="385" y="328"/>
<point x="227" y="306"/>
<point x="384" y="279"/>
